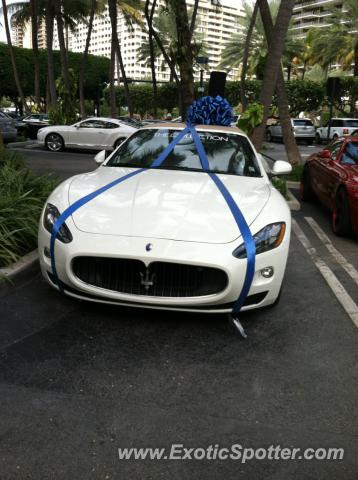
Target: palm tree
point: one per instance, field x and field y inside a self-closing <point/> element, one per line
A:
<point x="149" y="14"/>
<point x="165" y="26"/>
<point x="12" y="56"/>
<point x="131" y="11"/>
<point x="51" y="84"/>
<point x="273" y="62"/>
<point x="289" y="139"/>
<point x="67" y="14"/>
<point x="338" y="42"/>
<point x="96" y="7"/>
<point x="22" y="13"/>
<point x="184" y="54"/>
<point x="245" y="55"/>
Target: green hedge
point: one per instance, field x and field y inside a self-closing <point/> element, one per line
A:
<point x="97" y="71"/>
<point x="303" y="95"/>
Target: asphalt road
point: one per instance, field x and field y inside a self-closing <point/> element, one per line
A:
<point x="78" y="381"/>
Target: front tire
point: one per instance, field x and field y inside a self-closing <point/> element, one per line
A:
<point x="54" y="142"/>
<point x="341" y="221"/>
<point x="318" y="139"/>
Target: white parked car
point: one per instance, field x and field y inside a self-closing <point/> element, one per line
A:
<point x="340" y="127"/>
<point x="303" y="129"/>
<point x="93" y="133"/>
<point x="165" y="238"/>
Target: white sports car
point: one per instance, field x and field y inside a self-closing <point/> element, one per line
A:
<point x="93" y="133"/>
<point x="165" y="237"/>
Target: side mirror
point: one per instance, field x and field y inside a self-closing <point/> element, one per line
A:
<point x="325" y="154"/>
<point x="281" y="168"/>
<point x="100" y="157"/>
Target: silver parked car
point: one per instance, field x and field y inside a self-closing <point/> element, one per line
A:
<point x="7" y="128"/>
<point x="303" y="129"/>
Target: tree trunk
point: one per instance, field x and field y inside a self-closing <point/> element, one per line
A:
<point x="112" y="9"/>
<point x="355" y="71"/>
<point x="12" y="56"/>
<point x="35" y="48"/>
<point x="84" y="60"/>
<point x="62" y="44"/>
<point x="245" y="57"/>
<point x="124" y="78"/>
<point x="149" y="18"/>
<point x="50" y="60"/>
<point x="289" y="139"/>
<point x="273" y="63"/>
<point x="185" y="55"/>
<point x="289" y="69"/>
<point x="112" y="90"/>
<point x="193" y="18"/>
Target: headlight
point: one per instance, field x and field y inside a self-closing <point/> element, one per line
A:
<point x="51" y="215"/>
<point x="266" y="239"/>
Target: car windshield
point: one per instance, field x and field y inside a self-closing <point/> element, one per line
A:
<point x="227" y="153"/>
<point x="302" y="123"/>
<point x="351" y="123"/>
<point x="131" y="122"/>
<point x="350" y="154"/>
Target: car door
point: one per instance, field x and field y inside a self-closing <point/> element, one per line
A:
<point x="113" y="131"/>
<point x="324" y="174"/>
<point x="87" y="134"/>
<point x="336" y="128"/>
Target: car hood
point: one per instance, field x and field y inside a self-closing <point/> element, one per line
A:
<point x="58" y="128"/>
<point x="165" y="204"/>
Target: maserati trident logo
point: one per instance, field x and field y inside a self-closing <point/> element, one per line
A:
<point x="147" y="279"/>
<point x="149" y="247"/>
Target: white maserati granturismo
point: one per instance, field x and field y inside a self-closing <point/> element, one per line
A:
<point x="165" y="237"/>
<point x="93" y="134"/>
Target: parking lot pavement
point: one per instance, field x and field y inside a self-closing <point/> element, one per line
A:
<point x="277" y="150"/>
<point x="59" y="164"/>
<point x="78" y="380"/>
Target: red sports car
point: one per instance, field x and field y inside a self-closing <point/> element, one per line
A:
<point x="331" y="175"/>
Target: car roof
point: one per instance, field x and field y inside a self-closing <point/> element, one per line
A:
<point x="105" y="119"/>
<point x="181" y="126"/>
<point x="345" y="118"/>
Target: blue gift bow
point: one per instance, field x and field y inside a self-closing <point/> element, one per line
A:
<point x="236" y="212"/>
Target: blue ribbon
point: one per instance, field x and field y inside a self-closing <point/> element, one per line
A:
<point x="239" y="219"/>
<point x="236" y="212"/>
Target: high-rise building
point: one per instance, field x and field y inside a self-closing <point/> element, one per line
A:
<point x="22" y="35"/>
<point x="216" y="23"/>
<point x="309" y="14"/>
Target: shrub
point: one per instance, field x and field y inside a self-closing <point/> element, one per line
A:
<point x="22" y="196"/>
<point x="280" y="185"/>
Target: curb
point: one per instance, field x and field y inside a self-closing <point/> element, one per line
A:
<point x="292" y="184"/>
<point x="292" y="201"/>
<point x="26" y="143"/>
<point x="25" y="263"/>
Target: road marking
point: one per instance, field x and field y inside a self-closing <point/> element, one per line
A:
<point x="348" y="267"/>
<point x="340" y="292"/>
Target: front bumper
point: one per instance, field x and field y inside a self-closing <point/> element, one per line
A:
<point x="263" y="291"/>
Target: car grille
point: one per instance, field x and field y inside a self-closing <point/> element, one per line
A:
<point x="160" y="279"/>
